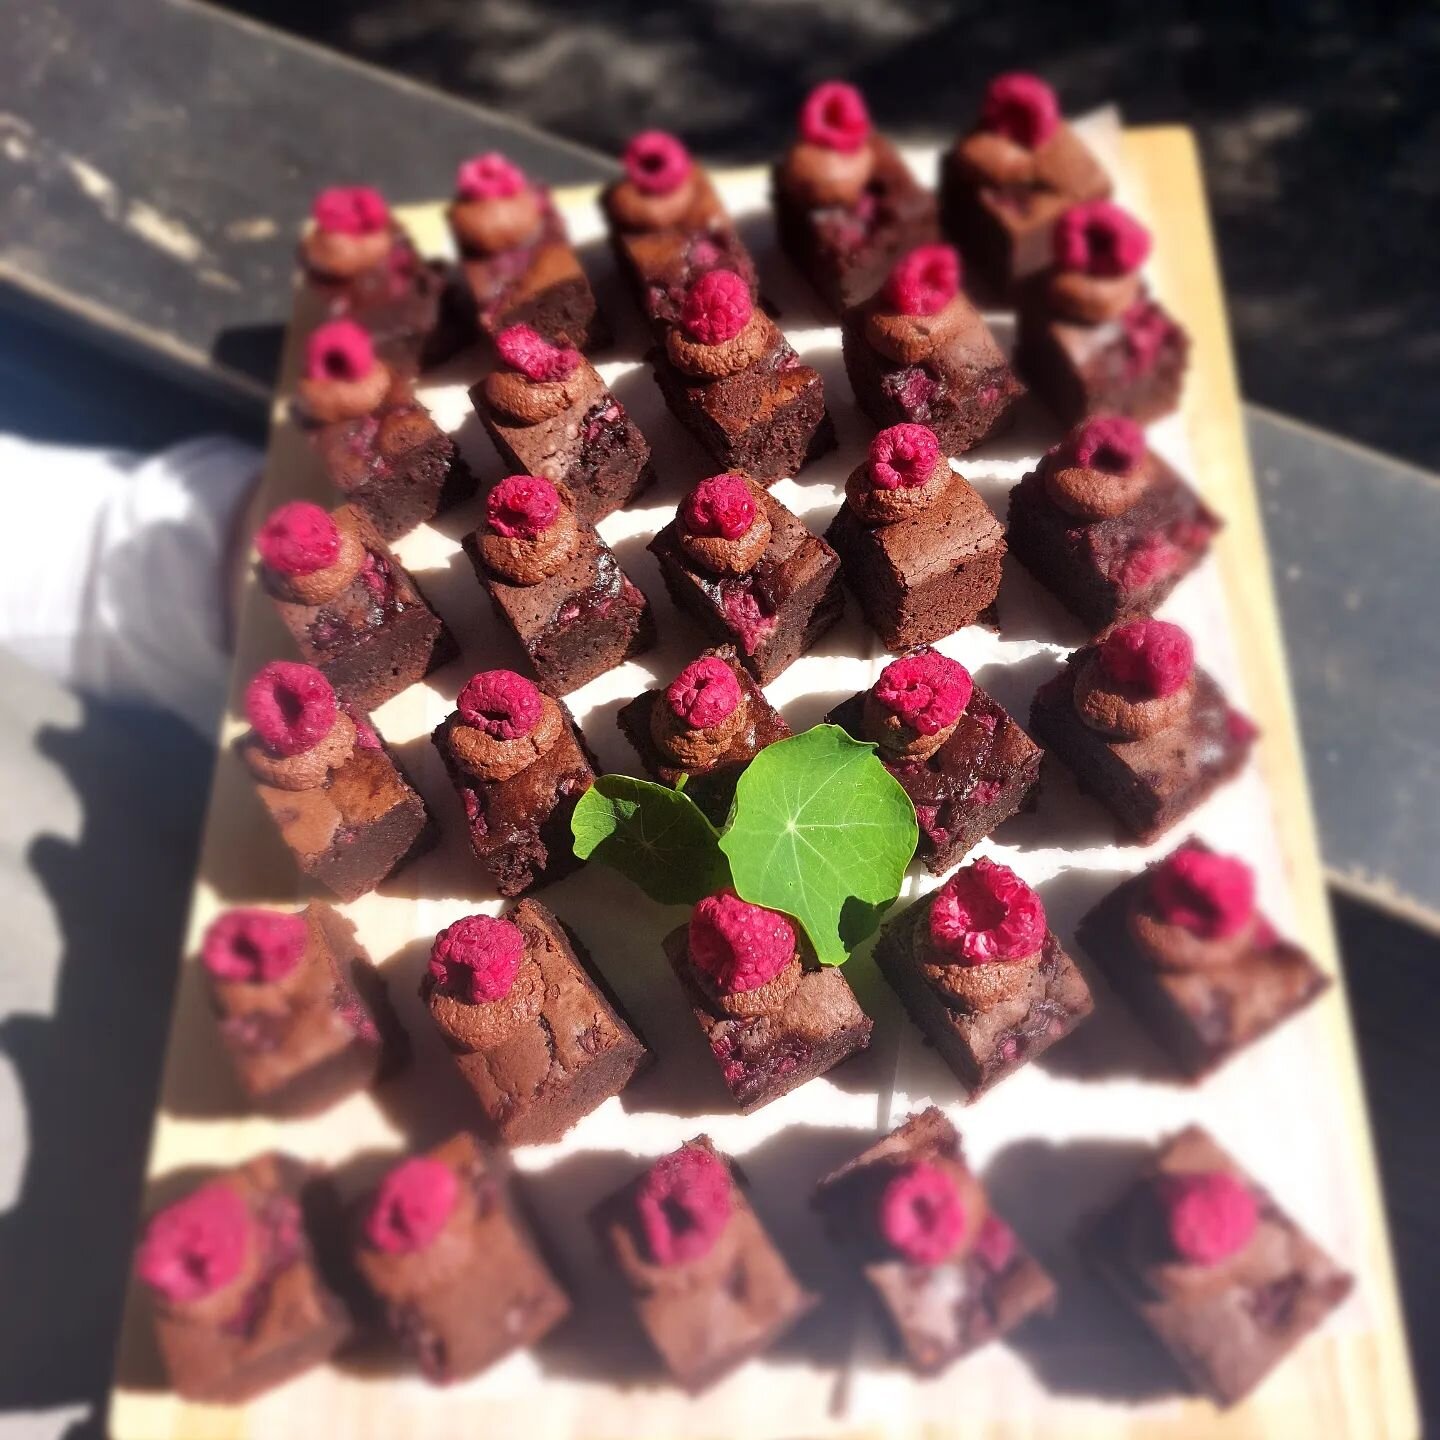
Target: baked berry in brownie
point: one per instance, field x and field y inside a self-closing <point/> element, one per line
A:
<point x="361" y="265"/>
<point x="532" y="1027"/>
<point x="377" y="444"/>
<point x="1090" y="338"/>
<point x="705" y="727"/>
<point x="516" y="258"/>
<point x="772" y="1017"/>
<point x="1005" y="184"/>
<point x="1141" y="727"/>
<point x="352" y="609"/>
<point x="301" y="1008"/>
<point x="918" y="547"/>
<point x="520" y="765"/>
<point x="918" y="352"/>
<point x="549" y="413"/>
<point x="731" y="378"/>
<point x="708" y="1285"/>
<point x="1106" y="525"/>
<point x="965" y="764"/>
<point x="556" y="584"/>
<point x="947" y="1273"/>
<point x="749" y="573"/>
<point x="1213" y="1268"/>
<point x="1186" y="946"/>
<point x="454" y="1272"/>
<point x="340" y="802"/>
<point x="668" y="226"/>
<point x="981" y="973"/>
<point x="846" y="205"/>
<point x="238" y="1302"/>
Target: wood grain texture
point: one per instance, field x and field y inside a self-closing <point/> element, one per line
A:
<point x="1352" y="1382"/>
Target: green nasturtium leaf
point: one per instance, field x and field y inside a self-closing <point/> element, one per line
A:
<point x="822" y="831"/>
<point x="655" y="836"/>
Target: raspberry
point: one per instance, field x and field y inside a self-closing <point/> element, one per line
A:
<point x="717" y="307"/>
<point x="503" y="704"/>
<point x="257" y="946"/>
<point x="834" y="115"/>
<point x="522" y="506"/>
<point x="921" y="1214"/>
<point x="704" y="693"/>
<point x="196" y="1246"/>
<point x="1151" y="560"/>
<point x="477" y="959"/>
<point x="351" y="210"/>
<point x="1112" y="443"/>
<point x="1154" y="656"/>
<point x="1099" y="238"/>
<point x="738" y="945"/>
<point x="657" y="163"/>
<point x="1021" y="107"/>
<point x="338" y="350"/>
<point x="927" y="691"/>
<point x="298" y="539"/>
<point x="903" y="457"/>
<point x="723" y="505"/>
<point x="986" y="912"/>
<point x="925" y="281"/>
<point x="684" y="1203"/>
<point x="1209" y="1215"/>
<point x="412" y="1205"/>
<point x="292" y="707"/>
<point x="530" y="353"/>
<point x="489" y="177"/>
<point x="1212" y="896"/>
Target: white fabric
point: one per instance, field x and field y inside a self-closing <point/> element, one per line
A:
<point x="112" y="582"/>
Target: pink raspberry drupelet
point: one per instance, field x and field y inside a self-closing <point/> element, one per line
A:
<point x="903" y="457"/>
<point x="351" y="210"/>
<point x="412" y="1205"/>
<point x="1021" y="107"/>
<point x="738" y="945"/>
<point x="292" y="707"/>
<point x="684" y="1203"/>
<point x="298" y="539"/>
<point x="722" y="505"/>
<point x="1113" y="444"/>
<point x="534" y="356"/>
<point x="704" y="693"/>
<point x="921" y="1215"/>
<point x="477" y="958"/>
<point x="717" y="307"/>
<point x="254" y="946"/>
<point x="835" y="116"/>
<point x="1099" y="238"/>
<point x="1208" y="1216"/>
<point x="656" y="163"/>
<point x="489" y="177"/>
<point x="1212" y="896"/>
<point x="506" y="706"/>
<point x="522" y="507"/>
<point x="196" y="1246"/>
<point x="339" y="350"/>
<point x="985" y="913"/>
<point x="925" y="281"/>
<point x="1154" y="656"/>
<point x="927" y="691"/>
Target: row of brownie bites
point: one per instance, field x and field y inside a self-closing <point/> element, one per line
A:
<point x="440" y="1253"/>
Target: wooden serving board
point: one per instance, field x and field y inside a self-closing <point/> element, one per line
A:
<point x="1051" y="1141"/>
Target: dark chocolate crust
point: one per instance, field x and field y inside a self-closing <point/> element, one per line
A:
<point x="984" y="1046"/>
<point x="935" y="1313"/>
<point x="1225" y="1336"/>
<point x="706" y="1316"/>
